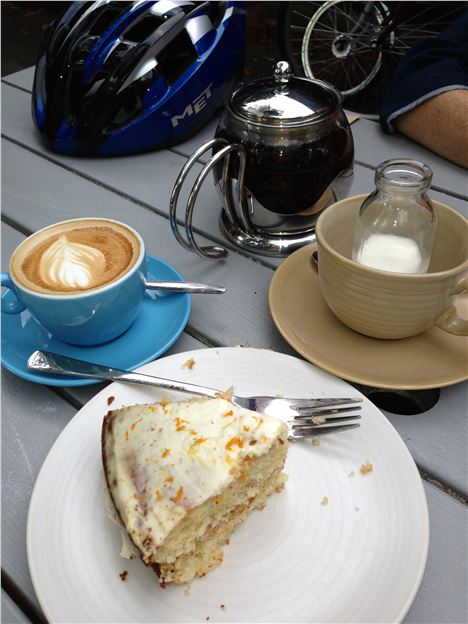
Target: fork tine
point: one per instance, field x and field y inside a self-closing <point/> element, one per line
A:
<point x="296" y="424"/>
<point x="319" y="431"/>
<point x="331" y="413"/>
<point x="303" y="404"/>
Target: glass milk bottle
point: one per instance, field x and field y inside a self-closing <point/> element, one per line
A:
<point x="397" y="223"/>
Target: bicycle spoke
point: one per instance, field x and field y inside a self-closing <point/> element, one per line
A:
<point x="293" y="27"/>
<point x="306" y="17"/>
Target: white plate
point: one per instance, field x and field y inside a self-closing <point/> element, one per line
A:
<point x="358" y="559"/>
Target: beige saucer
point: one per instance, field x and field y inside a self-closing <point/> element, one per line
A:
<point x="432" y="359"/>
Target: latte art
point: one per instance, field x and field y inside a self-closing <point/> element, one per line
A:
<point x="68" y="265"/>
<point x="75" y="256"/>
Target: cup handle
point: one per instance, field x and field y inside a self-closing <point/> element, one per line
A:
<point x="15" y="306"/>
<point x="450" y="321"/>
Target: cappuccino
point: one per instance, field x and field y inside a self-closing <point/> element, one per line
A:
<point x="75" y="256"/>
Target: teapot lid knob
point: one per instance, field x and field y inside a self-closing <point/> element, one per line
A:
<point x="282" y="72"/>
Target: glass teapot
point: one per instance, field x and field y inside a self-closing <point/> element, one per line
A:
<point x="279" y="145"/>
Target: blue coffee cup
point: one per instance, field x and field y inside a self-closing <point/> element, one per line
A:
<point x="83" y="318"/>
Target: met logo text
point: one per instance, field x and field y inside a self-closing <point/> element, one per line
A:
<point x="195" y="107"/>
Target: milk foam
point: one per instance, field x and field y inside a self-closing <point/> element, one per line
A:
<point x="69" y="265"/>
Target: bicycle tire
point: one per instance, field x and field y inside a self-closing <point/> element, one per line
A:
<point x="352" y="68"/>
<point x="423" y="19"/>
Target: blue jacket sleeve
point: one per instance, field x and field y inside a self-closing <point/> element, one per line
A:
<point x="431" y="67"/>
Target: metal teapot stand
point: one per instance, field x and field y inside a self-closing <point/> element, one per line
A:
<point x="244" y="221"/>
<point x="282" y="236"/>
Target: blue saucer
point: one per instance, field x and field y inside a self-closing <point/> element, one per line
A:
<point x="162" y="319"/>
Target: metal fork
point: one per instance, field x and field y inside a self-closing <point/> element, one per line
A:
<point x="305" y="417"/>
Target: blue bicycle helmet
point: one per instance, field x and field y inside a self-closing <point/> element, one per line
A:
<point x="123" y="77"/>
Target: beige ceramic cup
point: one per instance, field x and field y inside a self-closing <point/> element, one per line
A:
<point x="382" y="304"/>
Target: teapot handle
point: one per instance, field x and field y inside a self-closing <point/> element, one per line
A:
<point x="189" y="243"/>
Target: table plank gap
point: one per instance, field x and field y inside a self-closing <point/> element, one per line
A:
<point x="30" y="610"/>
<point x="15" y="86"/>
<point x="11" y="612"/>
<point x="443" y="487"/>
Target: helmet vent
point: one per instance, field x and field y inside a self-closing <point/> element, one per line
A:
<point x="177" y="57"/>
<point x="143" y="28"/>
<point x="105" y="19"/>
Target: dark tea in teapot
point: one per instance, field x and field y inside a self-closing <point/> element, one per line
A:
<point x="289" y="177"/>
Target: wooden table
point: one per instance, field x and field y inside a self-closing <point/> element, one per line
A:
<point x="40" y="188"/>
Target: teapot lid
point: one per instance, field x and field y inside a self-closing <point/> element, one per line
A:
<point x="285" y="100"/>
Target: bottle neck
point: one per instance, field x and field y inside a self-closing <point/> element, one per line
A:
<point x="403" y="177"/>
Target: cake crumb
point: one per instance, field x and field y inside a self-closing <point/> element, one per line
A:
<point x="190" y="363"/>
<point x="123" y="575"/>
<point x="315" y="441"/>
<point x="226" y="394"/>
<point x="352" y="473"/>
<point x="324" y="500"/>
<point x="367" y="467"/>
<point x="222" y="606"/>
<point x="188" y="590"/>
<point x="110" y="400"/>
<point x="318" y="420"/>
<point x="207" y="618"/>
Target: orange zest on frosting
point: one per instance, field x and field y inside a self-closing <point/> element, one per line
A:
<point x="179" y="425"/>
<point x="179" y="494"/>
<point x="169" y="480"/>
<point x="158" y="495"/>
<point x="136" y="423"/>
<point x="200" y="440"/>
<point x="246" y="428"/>
<point x="230" y="423"/>
<point x="234" y="442"/>
<point x="166" y="452"/>
<point x="227" y="414"/>
<point x="126" y="436"/>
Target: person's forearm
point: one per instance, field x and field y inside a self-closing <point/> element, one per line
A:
<point x="441" y="124"/>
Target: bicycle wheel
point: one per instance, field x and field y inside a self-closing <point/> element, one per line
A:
<point x="337" y="44"/>
<point x="327" y="40"/>
<point x="292" y="20"/>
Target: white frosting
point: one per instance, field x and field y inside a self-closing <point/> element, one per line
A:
<point x="128" y="549"/>
<point x="165" y="459"/>
<point x="68" y="265"/>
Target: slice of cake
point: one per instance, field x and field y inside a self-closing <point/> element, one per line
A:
<point x="182" y="475"/>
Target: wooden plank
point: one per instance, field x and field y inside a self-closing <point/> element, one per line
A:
<point x="23" y="79"/>
<point x="443" y="595"/>
<point x="432" y="433"/>
<point x="11" y="613"/>
<point x="33" y="417"/>
<point x="373" y="146"/>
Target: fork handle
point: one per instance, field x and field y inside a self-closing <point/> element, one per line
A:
<point x="47" y="362"/>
